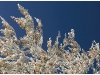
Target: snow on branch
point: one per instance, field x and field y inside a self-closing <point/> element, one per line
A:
<point x="26" y="55"/>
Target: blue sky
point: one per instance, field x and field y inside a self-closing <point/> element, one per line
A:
<point x="83" y="17"/>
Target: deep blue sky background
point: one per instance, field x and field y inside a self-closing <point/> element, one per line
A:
<point x="83" y="17"/>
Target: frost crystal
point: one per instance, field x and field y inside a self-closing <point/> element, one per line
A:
<point x="14" y="52"/>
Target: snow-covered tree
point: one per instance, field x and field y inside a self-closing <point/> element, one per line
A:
<point x="14" y="52"/>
